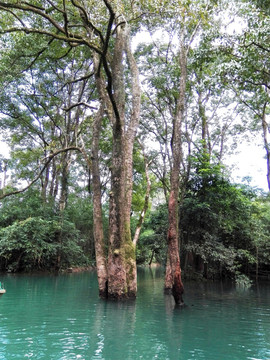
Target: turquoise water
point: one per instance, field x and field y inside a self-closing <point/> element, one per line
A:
<point x="62" y="318"/>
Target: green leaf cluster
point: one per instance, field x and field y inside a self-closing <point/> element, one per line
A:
<point x="34" y="237"/>
<point x="218" y="231"/>
<point x="32" y="244"/>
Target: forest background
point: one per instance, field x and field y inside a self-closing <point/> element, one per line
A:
<point x="120" y="117"/>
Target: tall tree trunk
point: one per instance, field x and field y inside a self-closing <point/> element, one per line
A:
<point x="206" y="145"/>
<point x="266" y="143"/>
<point x="101" y="260"/>
<point x="146" y="203"/>
<point x="64" y="181"/>
<point x="122" y="272"/>
<point x="130" y="256"/>
<point x="53" y="181"/>
<point x="173" y="280"/>
<point x="45" y="182"/>
<point x="100" y="248"/>
<point x="117" y="280"/>
<point x="121" y="267"/>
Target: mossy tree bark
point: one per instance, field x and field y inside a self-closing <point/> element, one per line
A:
<point x="121" y="264"/>
<point x="122" y="273"/>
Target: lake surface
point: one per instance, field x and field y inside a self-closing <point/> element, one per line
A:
<point x="62" y="318"/>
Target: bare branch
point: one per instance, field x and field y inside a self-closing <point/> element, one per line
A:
<point x="263" y="83"/>
<point x="193" y="36"/>
<point x="105" y="62"/>
<point x="69" y="39"/>
<point x="65" y="18"/>
<point x="38" y="55"/>
<point x="34" y="6"/>
<point x="85" y="77"/>
<point x="108" y="5"/>
<point x="77" y="40"/>
<point x="258" y="45"/>
<point x="79" y="104"/>
<point x="55" y="7"/>
<point x="13" y="14"/>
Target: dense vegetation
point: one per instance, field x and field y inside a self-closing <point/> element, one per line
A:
<point x="102" y="165"/>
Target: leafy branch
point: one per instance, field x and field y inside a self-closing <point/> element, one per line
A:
<point x="47" y="162"/>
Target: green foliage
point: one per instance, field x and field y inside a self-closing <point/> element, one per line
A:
<point x="264" y="5"/>
<point x="23" y="206"/>
<point x="260" y="230"/>
<point x="34" y="244"/>
<point x="33" y="235"/>
<point x="152" y="243"/>
<point x="217" y="224"/>
<point x="80" y="213"/>
<point x="242" y="281"/>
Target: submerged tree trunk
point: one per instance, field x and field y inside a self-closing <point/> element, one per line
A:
<point x="173" y="280"/>
<point x="117" y="281"/>
<point x="100" y="251"/>
<point x="121" y="263"/>
<point x="122" y="272"/>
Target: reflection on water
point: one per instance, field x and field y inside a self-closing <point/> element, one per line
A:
<point x="62" y="318"/>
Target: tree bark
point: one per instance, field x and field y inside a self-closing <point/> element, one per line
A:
<point x="117" y="276"/>
<point x="101" y="260"/>
<point x="64" y="181"/>
<point x="206" y="145"/>
<point x="121" y="266"/>
<point x="266" y="143"/>
<point x="146" y="204"/>
<point x="173" y="280"/>
<point x="44" y="184"/>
